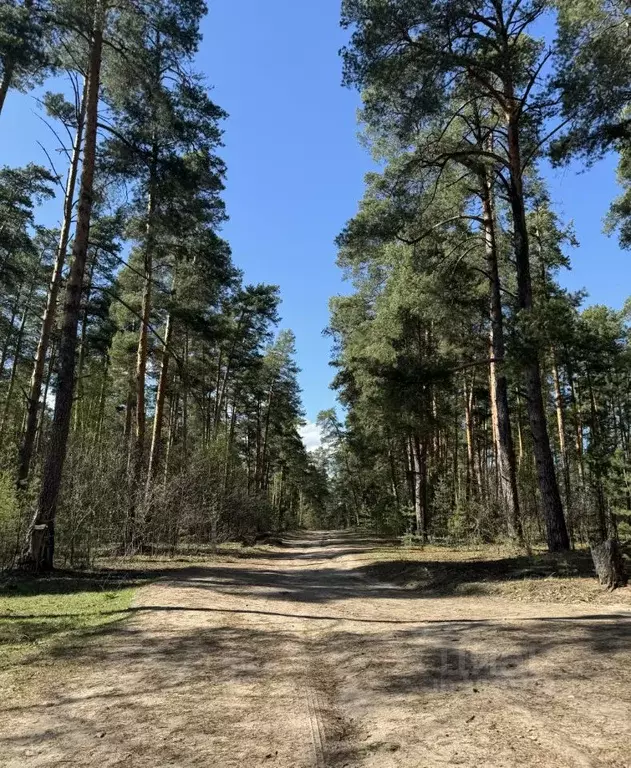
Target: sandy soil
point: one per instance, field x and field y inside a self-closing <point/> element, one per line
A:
<point x="293" y="659"/>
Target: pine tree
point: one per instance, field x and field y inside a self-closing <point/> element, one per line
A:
<point x="439" y="55"/>
<point x="41" y="537"/>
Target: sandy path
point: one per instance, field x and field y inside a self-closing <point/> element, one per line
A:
<point x="293" y="661"/>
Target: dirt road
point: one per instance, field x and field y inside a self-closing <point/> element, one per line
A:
<point x="291" y="659"/>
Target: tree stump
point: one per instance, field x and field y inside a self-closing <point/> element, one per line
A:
<point x="609" y="564"/>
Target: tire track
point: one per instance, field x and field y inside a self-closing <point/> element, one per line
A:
<point x="316" y="725"/>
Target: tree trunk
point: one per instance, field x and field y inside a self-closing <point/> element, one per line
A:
<point x="7" y="339"/>
<point x="156" y="437"/>
<point x="48" y="320"/>
<point x="141" y="354"/>
<point x="268" y="415"/>
<point x="473" y="477"/>
<point x="600" y="522"/>
<point x="174" y="406"/>
<point x="16" y="360"/>
<point x="495" y="453"/>
<point x="499" y="385"/>
<point x="218" y="385"/>
<point x="419" y="457"/>
<point x="184" y="388"/>
<point x="79" y="415"/>
<point x="556" y="529"/>
<point x="609" y="564"/>
<point x="561" y="428"/>
<point x="5" y="83"/>
<point x="578" y="425"/>
<point x="393" y="477"/>
<point x="129" y="420"/>
<point x="102" y="399"/>
<point x="230" y="442"/>
<point x="41" y="537"/>
<point x="241" y="330"/>
<point x="143" y="336"/>
<point x="42" y="411"/>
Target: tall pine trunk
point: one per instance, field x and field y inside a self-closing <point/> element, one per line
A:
<point x="474" y="483"/>
<point x="48" y="320"/>
<point x="79" y="416"/>
<point x="14" y="368"/>
<point x="505" y="448"/>
<point x="42" y="411"/>
<point x="41" y="536"/>
<point x="142" y="351"/>
<point x="9" y="334"/>
<point x="556" y="529"/>
<point x="136" y="494"/>
<point x="578" y="424"/>
<point x="5" y="83"/>
<point x="265" y="443"/>
<point x="419" y="459"/>
<point x="600" y="524"/>
<point x="156" y="436"/>
<point x="102" y="399"/>
<point x="561" y="429"/>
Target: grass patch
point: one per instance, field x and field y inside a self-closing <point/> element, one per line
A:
<point x="37" y="612"/>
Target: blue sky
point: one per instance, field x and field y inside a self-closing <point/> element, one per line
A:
<point x="295" y="167"/>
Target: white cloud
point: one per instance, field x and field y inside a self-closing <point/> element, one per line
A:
<point x="311" y="436"/>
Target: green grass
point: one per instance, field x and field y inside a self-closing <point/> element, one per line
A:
<point x="36" y="613"/>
